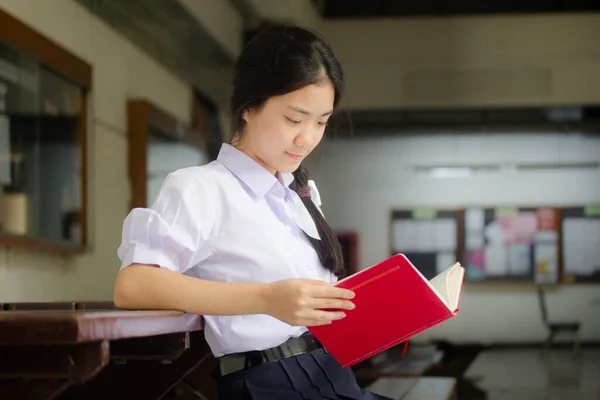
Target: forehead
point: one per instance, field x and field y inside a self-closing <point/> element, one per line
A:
<point x="317" y="99"/>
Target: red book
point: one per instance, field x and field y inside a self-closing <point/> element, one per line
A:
<point x="394" y="302"/>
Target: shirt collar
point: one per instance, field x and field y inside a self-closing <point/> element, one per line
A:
<point x="251" y="173"/>
<point x="260" y="181"/>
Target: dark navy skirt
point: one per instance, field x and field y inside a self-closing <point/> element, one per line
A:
<point x="311" y="376"/>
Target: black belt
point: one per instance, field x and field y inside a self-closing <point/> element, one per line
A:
<point x="231" y="363"/>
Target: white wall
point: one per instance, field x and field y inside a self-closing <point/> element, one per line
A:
<point x="361" y="180"/>
<point x="120" y="71"/>
<point x="469" y="61"/>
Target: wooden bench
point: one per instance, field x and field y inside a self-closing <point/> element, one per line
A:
<point x="421" y="388"/>
<point x="94" y="351"/>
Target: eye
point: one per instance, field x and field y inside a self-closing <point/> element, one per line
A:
<point x="322" y="123"/>
<point x="293" y="121"/>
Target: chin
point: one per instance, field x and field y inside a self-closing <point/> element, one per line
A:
<point x="288" y="170"/>
<point x="288" y="167"/>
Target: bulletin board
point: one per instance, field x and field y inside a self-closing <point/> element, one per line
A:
<point x="512" y="244"/>
<point x="542" y="245"/>
<point x="581" y="244"/>
<point x="428" y="237"/>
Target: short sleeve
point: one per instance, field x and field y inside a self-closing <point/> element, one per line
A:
<point x="176" y="231"/>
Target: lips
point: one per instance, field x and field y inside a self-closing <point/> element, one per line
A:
<point x="294" y="156"/>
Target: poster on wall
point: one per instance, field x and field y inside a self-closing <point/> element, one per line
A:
<point x="546" y="246"/>
<point x="507" y="243"/>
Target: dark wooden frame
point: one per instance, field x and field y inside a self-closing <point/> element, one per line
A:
<point x="67" y="64"/>
<point x="142" y="115"/>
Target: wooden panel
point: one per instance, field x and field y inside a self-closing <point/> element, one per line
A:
<point x="137" y="127"/>
<point x="39" y="306"/>
<point x="86" y="305"/>
<point x="24" y="37"/>
<point x="77" y="362"/>
<point x="32" y="389"/>
<point x="40" y="327"/>
<point x="142" y="379"/>
<point x="163" y="348"/>
<point x="60" y="350"/>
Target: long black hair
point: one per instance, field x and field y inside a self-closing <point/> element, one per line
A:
<point x="280" y="60"/>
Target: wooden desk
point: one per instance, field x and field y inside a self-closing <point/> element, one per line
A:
<point x="86" y="351"/>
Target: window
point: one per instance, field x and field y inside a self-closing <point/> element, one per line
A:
<point x="158" y="145"/>
<point x="43" y="128"/>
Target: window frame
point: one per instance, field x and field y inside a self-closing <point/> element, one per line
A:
<point x="141" y="116"/>
<point x="65" y="63"/>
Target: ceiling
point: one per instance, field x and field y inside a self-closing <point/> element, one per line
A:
<point x="399" y="8"/>
<point x="358" y="123"/>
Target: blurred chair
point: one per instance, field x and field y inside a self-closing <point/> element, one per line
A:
<point x="556" y="327"/>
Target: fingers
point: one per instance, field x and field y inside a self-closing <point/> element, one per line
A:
<point x="318" y="317"/>
<point x="332" y="292"/>
<point x="325" y="289"/>
<point x="328" y="303"/>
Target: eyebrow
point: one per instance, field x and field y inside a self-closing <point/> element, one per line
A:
<point x="303" y="111"/>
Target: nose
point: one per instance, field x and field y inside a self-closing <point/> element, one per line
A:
<point x="306" y="139"/>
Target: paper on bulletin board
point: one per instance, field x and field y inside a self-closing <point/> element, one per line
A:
<point x="582" y="246"/>
<point x="4" y="150"/>
<point x="546" y="264"/>
<point x="404" y="238"/>
<point x="445" y="231"/>
<point x="474" y="220"/>
<point x="426" y="235"/>
<point x="496" y="260"/>
<point x="519" y="256"/>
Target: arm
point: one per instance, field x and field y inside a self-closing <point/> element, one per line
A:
<point x="298" y="302"/>
<point x="142" y="286"/>
<point x="161" y="243"/>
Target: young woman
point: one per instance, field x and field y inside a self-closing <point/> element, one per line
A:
<point x="242" y="240"/>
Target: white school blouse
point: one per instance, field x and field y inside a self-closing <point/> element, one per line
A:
<point x="229" y="221"/>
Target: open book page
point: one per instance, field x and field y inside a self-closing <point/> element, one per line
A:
<point x="447" y="284"/>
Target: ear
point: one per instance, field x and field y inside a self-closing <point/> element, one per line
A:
<point x="246" y="115"/>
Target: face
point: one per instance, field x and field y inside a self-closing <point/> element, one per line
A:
<point x="287" y="128"/>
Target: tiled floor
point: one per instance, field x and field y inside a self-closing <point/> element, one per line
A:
<point x="526" y="374"/>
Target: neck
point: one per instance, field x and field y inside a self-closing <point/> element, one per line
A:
<point x="239" y="145"/>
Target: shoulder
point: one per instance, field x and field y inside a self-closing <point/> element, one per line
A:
<point x="197" y="178"/>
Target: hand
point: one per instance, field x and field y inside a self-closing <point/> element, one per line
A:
<point x="300" y="302"/>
